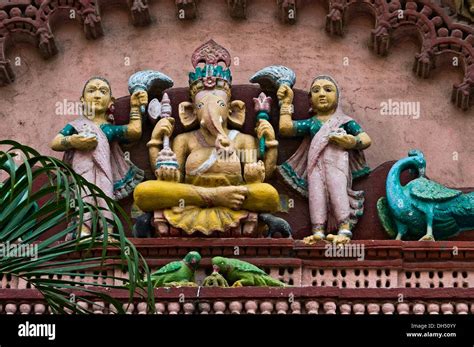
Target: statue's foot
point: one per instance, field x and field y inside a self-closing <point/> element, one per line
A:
<point x="427" y="238"/>
<point x="313" y="239"/>
<point x="161" y="224"/>
<point x="250" y="225"/>
<point x="237" y="284"/>
<point x="84" y="234"/>
<point x="163" y="228"/>
<point x="231" y="196"/>
<point x="180" y="284"/>
<point x="338" y="240"/>
<point x="110" y="239"/>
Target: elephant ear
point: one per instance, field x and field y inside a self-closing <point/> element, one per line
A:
<point x="237" y="113"/>
<point x="187" y="115"/>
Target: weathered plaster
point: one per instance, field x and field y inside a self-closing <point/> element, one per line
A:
<point x="27" y="107"/>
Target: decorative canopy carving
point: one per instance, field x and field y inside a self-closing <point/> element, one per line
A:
<point x="439" y="32"/>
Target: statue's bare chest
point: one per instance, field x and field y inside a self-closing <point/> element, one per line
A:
<point x="208" y="160"/>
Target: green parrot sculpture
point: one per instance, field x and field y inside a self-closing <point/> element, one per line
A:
<point x="177" y="273"/>
<point x="240" y="273"/>
<point x="423" y="208"/>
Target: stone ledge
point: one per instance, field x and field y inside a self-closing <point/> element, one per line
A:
<point x="302" y="300"/>
<point x="215" y="293"/>
<point x="386" y="264"/>
<point x="413" y="251"/>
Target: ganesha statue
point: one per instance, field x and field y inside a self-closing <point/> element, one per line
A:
<point x="211" y="181"/>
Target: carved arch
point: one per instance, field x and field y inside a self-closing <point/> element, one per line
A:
<point x="439" y="33"/>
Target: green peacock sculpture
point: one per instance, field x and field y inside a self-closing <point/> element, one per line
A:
<point x="423" y="209"/>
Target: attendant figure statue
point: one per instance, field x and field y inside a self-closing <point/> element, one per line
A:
<point x="92" y="148"/>
<point x="328" y="159"/>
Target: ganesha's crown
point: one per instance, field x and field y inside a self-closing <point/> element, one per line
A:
<point x="211" y="74"/>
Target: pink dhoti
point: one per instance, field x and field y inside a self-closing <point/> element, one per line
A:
<point x="105" y="166"/>
<point x="322" y="171"/>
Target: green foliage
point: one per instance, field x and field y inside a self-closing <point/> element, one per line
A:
<point x="30" y="212"/>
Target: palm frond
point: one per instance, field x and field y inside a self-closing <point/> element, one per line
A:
<point x="40" y="194"/>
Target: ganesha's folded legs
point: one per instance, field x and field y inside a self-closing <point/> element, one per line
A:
<point x="159" y="195"/>
<point x="261" y="197"/>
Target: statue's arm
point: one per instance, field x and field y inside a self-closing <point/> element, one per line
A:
<point x="270" y="159"/>
<point x="290" y="127"/>
<point x="62" y="141"/>
<point x="59" y="143"/>
<point x="363" y="140"/>
<point x="164" y="127"/>
<point x="250" y="143"/>
<point x="71" y="140"/>
<point x="286" y="126"/>
<point x="154" y="146"/>
<point x="134" y="127"/>
<point x="180" y="148"/>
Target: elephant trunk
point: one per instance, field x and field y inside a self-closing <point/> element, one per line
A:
<point x="212" y="120"/>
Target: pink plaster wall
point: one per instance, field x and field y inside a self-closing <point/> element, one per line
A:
<point x="444" y="133"/>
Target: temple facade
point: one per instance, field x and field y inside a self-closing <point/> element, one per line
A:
<point x="405" y="77"/>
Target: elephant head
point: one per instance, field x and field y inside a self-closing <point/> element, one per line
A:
<point x="213" y="111"/>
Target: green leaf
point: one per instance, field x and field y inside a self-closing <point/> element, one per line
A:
<point x="29" y="211"/>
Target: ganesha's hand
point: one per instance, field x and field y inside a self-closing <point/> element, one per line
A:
<point x="345" y="141"/>
<point x="265" y="129"/>
<point x="139" y="98"/>
<point x="285" y="94"/>
<point x="168" y="173"/>
<point x="254" y="172"/>
<point x="81" y="143"/>
<point x="164" y="127"/>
